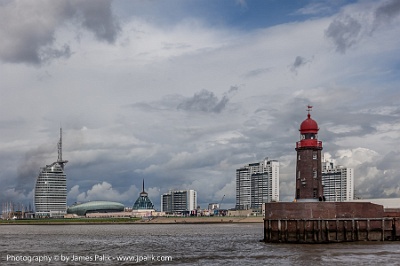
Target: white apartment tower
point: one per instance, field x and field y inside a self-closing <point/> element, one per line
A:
<point x="179" y="201"/>
<point x="337" y="182"/>
<point x="257" y="183"/>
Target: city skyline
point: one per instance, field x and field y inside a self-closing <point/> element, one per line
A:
<point x="182" y="93"/>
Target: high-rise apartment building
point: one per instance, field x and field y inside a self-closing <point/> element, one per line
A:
<point x="51" y="189"/>
<point x="337" y="182"/>
<point x="257" y="183"/>
<point x="179" y="201"/>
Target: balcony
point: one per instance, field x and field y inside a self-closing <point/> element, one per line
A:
<point x="309" y="143"/>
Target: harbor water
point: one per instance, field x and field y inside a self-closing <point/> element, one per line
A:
<point x="176" y="244"/>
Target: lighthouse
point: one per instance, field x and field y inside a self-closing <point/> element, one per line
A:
<point x="308" y="166"/>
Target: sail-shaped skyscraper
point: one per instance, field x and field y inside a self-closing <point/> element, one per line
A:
<point x="51" y="188"/>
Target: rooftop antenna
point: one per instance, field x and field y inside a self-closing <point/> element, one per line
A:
<point x="59" y="144"/>
<point x="143" y="193"/>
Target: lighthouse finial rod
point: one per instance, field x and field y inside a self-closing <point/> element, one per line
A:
<point x="309" y="109"/>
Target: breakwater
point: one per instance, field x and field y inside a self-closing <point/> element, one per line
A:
<point x="325" y="222"/>
<point x="331" y="230"/>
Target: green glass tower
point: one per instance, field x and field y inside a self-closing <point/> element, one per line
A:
<point x="143" y="202"/>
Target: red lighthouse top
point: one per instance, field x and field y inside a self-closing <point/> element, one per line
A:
<point x="309" y="134"/>
<point x="309" y="125"/>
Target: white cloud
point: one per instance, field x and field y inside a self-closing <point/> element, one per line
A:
<point x="103" y="191"/>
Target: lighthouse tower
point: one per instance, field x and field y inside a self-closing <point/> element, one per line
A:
<point x="308" y="167"/>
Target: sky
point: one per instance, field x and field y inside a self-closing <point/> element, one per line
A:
<point x="181" y="93"/>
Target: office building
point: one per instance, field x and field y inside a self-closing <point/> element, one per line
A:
<point x="257" y="183"/>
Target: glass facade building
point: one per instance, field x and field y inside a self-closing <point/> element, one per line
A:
<point x="143" y="202"/>
<point x="51" y="189"/>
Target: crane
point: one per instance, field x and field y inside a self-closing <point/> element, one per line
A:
<point x="220" y="203"/>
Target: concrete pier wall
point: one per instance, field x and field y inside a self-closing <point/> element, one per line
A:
<point x="331" y="230"/>
<point x="324" y="222"/>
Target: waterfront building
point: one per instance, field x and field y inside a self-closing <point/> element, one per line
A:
<point x="337" y="182"/>
<point x="308" y="166"/>
<point x="51" y="188"/>
<point x="179" y="201"/>
<point x="257" y="183"/>
<point x="143" y="202"/>
<point x="143" y="206"/>
<point x="213" y="206"/>
<point x="82" y="209"/>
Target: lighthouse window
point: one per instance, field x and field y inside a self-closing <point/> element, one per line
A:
<point x="314" y="156"/>
<point x="315" y="193"/>
<point x="314" y="173"/>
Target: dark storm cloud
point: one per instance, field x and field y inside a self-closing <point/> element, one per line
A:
<point x="344" y="32"/>
<point x="49" y="54"/>
<point x="387" y="11"/>
<point x="98" y="18"/>
<point x="298" y="62"/>
<point x="28" y="28"/>
<point x="206" y="101"/>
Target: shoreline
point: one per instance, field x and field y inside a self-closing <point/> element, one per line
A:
<point x="154" y="220"/>
<point x="202" y="220"/>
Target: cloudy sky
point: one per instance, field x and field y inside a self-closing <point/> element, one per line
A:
<point x="181" y="93"/>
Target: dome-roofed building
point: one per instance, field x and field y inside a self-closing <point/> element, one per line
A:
<point x="96" y="207"/>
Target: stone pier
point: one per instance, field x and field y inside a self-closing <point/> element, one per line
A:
<point x="325" y="222"/>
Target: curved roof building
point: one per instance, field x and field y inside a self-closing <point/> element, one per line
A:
<point x="95" y="207"/>
<point x="51" y="188"/>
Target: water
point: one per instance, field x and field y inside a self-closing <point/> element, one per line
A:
<point x="183" y="244"/>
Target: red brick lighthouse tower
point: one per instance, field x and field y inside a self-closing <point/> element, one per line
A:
<point x="308" y="167"/>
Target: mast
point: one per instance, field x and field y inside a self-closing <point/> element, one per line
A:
<point x="59" y="144"/>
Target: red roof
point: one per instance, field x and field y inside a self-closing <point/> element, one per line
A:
<point x="309" y="125"/>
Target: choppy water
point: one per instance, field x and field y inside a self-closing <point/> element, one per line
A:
<point x="185" y="244"/>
